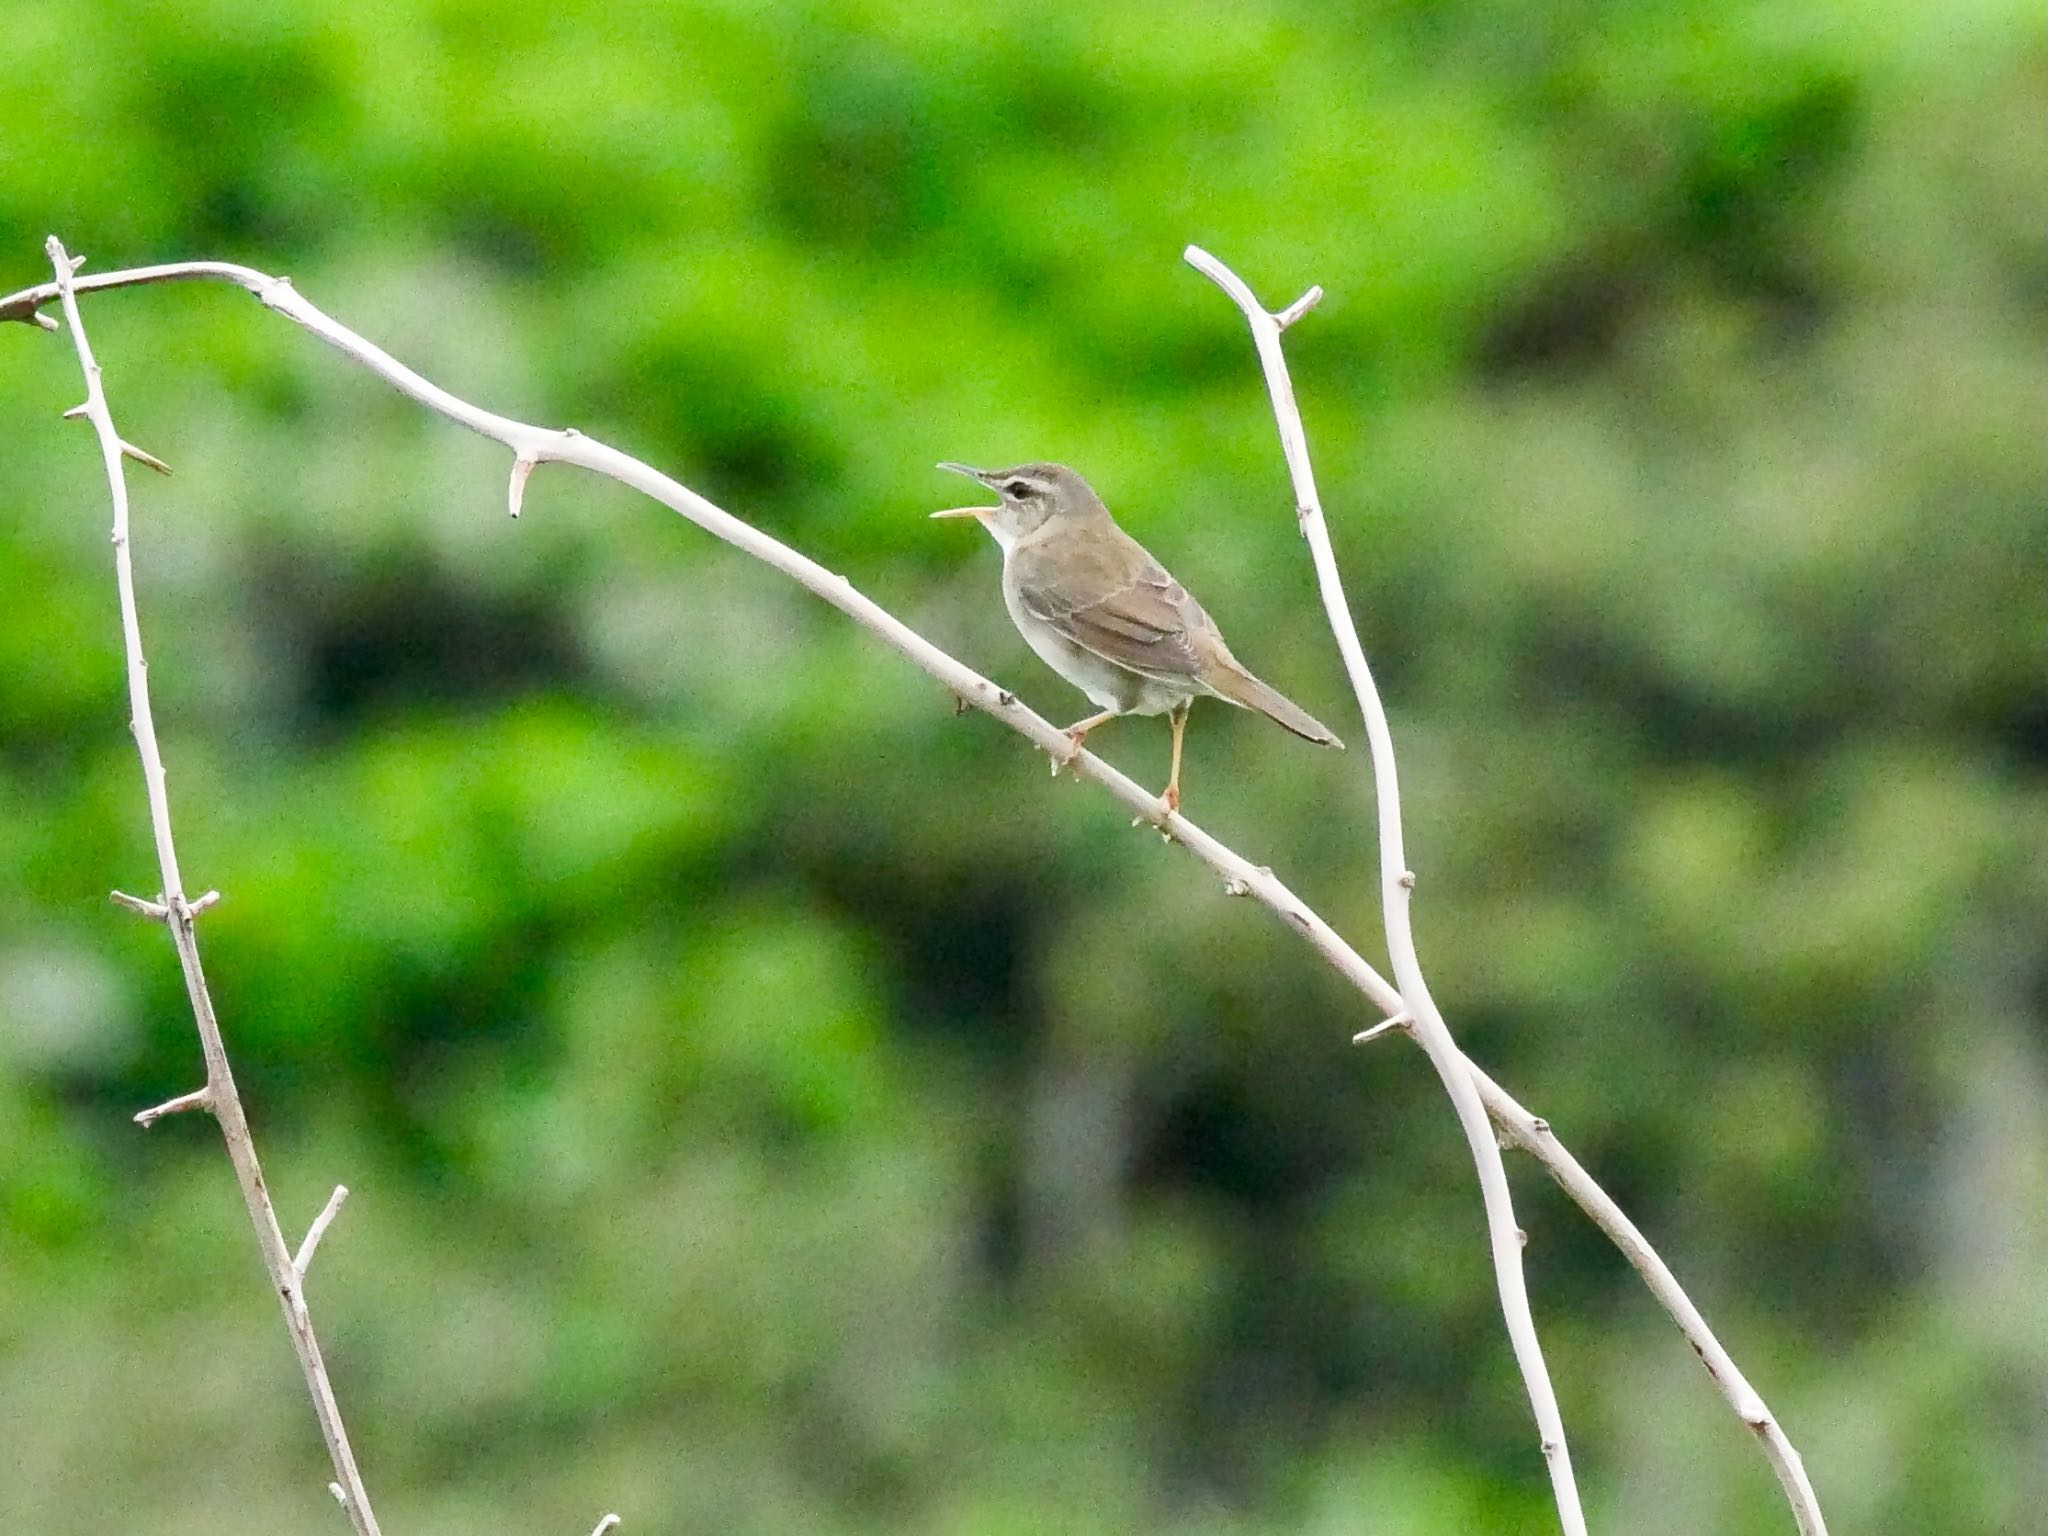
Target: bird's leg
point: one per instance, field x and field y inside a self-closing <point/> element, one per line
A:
<point x="1078" y="733"/>
<point x="1180" y="725"/>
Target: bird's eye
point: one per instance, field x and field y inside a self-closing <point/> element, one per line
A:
<point x="1017" y="488"/>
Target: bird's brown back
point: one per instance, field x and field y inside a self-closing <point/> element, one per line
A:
<point x="1098" y="587"/>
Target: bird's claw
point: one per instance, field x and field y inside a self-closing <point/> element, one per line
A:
<point x="1074" y="740"/>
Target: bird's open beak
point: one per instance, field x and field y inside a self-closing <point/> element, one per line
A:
<point x="972" y="474"/>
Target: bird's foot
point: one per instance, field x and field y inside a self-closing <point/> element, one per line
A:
<point x="1076" y="734"/>
<point x="1074" y="741"/>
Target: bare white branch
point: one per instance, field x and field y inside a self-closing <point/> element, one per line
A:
<point x="219" y="1094"/>
<point x="1425" y="1022"/>
<point x="303" y="1259"/>
<point x="608" y="1523"/>
<point x="1240" y="876"/>
<point x="198" y="1098"/>
<point x="1533" y="1135"/>
<point x="1520" y="1128"/>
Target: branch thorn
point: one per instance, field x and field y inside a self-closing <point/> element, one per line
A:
<point x="515" y="493"/>
<point x="38" y="318"/>
<point x="198" y="1098"/>
<point x="145" y="457"/>
<point x="303" y="1259"/>
<point x="1400" y="1021"/>
<point x="79" y="409"/>
<point x="154" y="910"/>
<point x="339" y="1497"/>
<point x="1300" y="306"/>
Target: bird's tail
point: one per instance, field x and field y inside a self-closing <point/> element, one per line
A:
<point x="1246" y="691"/>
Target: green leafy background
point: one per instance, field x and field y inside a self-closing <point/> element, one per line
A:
<point x="772" y="1105"/>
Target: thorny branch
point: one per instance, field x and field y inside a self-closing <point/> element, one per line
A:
<point x="532" y="446"/>
<point x="218" y="1097"/>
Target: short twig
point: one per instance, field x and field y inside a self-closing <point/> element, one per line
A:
<point x="1299" y="307"/>
<point x="198" y="1098"/>
<point x="155" y="910"/>
<point x="303" y="1259"/>
<point x="144" y="457"/>
<point x="1399" y="1021"/>
<point x="515" y="493"/>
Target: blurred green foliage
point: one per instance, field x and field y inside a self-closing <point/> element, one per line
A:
<point x="771" y="1105"/>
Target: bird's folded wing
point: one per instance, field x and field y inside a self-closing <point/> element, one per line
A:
<point x="1138" y="617"/>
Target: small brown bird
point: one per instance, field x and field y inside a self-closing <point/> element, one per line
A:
<point x="1105" y="615"/>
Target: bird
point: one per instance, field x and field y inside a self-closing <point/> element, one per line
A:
<point x="1106" y="616"/>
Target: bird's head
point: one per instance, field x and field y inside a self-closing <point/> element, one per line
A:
<point x="1031" y="495"/>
